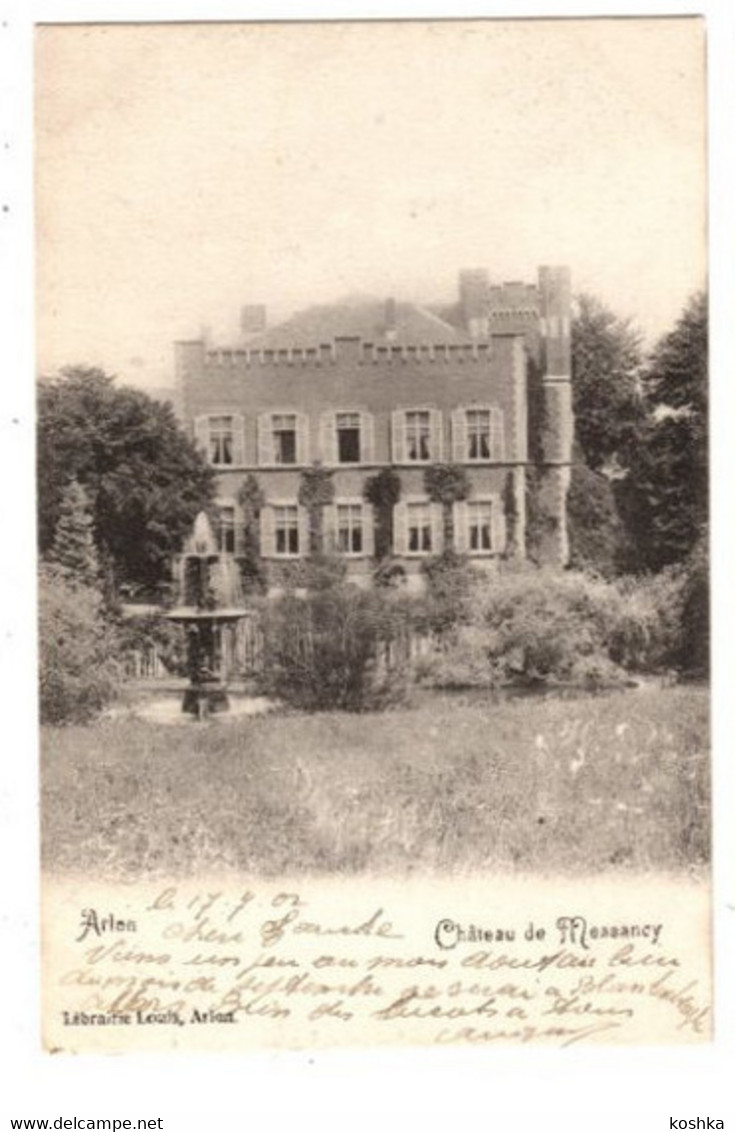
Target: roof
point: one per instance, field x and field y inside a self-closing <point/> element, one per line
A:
<point x="359" y="316"/>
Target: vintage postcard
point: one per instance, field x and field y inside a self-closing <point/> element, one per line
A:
<point x="373" y="534"/>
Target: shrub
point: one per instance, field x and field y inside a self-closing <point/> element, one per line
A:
<point x="78" y="670"/>
<point x="316" y="573"/>
<point x="462" y="661"/>
<point x="541" y="623"/>
<point x="665" y="619"/>
<point x="388" y="574"/>
<point x="450" y="584"/>
<point x="646" y="634"/>
<point x="153" y="632"/>
<point x="334" y="648"/>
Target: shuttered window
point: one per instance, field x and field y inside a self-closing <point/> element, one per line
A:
<point x="283" y="439"/>
<point x="222" y="438"/>
<point x="478" y="435"/>
<point x="479" y="526"/>
<point x="346" y="437"/>
<point x="416" y="436"/>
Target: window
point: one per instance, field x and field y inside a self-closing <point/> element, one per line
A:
<point x="286" y="521"/>
<point x="419" y="528"/>
<point x="348" y="438"/>
<point x="478" y="434"/>
<point x="221" y="440"/>
<point x="418" y="435"/>
<point x="284" y="438"/>
<point x="227" y="529"/>
<point x="479" y="526"/>
<point x="349" y="528"/>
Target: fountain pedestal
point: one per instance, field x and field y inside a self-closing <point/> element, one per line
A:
<point x="210" y="596"/>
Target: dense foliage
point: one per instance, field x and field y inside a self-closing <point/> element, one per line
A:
<point x="665" y="498"/>
<point x="144" y="479"/>
<point x="534" y="626"/>
<point x="606" y="360"/>
<point x="78" y="669"/>
<point x="74" y="551"/>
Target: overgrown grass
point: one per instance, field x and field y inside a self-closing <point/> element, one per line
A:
<point x="617" y="781"/>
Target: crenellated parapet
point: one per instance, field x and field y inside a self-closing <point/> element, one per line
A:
<point x="357" y="351"/>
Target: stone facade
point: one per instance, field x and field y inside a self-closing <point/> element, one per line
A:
<point x="450" y="386"/>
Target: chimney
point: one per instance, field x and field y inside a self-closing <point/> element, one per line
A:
<point x="391" y="327"/>
<point x="474" y="295"/>
<point x="252" y="319"/>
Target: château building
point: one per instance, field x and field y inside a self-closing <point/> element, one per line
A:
<point x="362" y="385"/>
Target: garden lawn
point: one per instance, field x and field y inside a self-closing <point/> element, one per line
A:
<point x="579" y="785"/>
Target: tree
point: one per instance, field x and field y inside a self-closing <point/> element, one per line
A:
<point x="665" y="498"/>
<point x="74" y="551"/>
<point x="608" y="407"/>
<point x="144" y="478"/>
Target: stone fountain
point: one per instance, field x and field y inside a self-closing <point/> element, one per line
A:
<point x="209" y="599"/>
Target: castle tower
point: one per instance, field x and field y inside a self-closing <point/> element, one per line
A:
<point x="474" y="290"/>
<point x="558" y="430"/>
<point x="188" y="368"/>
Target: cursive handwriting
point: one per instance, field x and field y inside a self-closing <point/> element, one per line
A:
<point x="262" y="965"/>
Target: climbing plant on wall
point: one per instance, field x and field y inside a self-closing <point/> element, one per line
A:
<point x="252" y="500"/>
<point x="316" y="491"/>
<point x="383" y="491"/>
<point x="447" y="484"/>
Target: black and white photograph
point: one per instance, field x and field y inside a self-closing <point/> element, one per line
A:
<point x="373" y="534"/>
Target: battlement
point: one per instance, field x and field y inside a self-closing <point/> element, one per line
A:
<point x="513" y="298"/>
<point x="352" y="349"/>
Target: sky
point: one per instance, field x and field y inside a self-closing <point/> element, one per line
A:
<point x="185" y="170"/>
